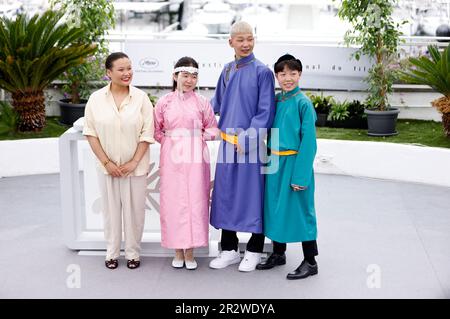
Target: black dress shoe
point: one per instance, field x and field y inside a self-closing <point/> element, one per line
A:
<point x="272" y="261"/>
<point x="303" y="271"/>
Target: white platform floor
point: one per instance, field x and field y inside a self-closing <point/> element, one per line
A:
<point x="377" y="239"/>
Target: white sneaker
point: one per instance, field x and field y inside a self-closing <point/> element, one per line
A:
<point x="250" y="261"/>
<point x="225" y="258"/>
<point x="177" y="263"/>
<point x="191" y="264"/>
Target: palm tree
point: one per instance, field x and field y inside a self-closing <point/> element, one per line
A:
<point x="34" y="52"/>
<point x="434" y="71"/>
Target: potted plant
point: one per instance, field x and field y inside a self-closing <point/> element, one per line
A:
<point x="35" y="51"/>
<point x="339" y="114"/>
<point x="434" y="71"/>
<point x="78" y="84"/>
<point x="357" y="116"/>
<point x="377" y="36"/>
<point x="95" y="18"/>
<point x="322" y="105"/>
<point x="348" y="115"/>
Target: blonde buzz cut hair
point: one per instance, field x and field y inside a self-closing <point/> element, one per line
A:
<point x="240" y="27"/>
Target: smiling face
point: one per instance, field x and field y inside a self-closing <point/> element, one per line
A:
<point x="242" y="43"/>
<point x="288" y="79"/>
<point x="186" y="81"/>
<point x="121" y="72"/>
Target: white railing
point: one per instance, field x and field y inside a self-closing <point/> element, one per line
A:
<point x="407" y="41"/>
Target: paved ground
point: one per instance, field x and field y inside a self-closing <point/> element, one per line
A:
<point x="377" y="239"/>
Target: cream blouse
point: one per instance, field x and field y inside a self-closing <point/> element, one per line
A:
<point x="120" y="130"/>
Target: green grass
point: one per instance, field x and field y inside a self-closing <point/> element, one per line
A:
<point x="417" y="132"/>
<point x="52" y="129"/>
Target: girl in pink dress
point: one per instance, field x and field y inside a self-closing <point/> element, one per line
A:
<point x="184" y="121"/>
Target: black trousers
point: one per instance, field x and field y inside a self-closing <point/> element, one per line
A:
<point x="230" y="241"/>
<point x="309" y="248"/>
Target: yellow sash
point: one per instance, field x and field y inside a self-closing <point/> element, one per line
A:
<point x="284" y="153"/>
<point x="233" y="139"/>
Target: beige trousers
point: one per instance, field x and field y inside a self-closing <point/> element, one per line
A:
<point x="123" y="199"/>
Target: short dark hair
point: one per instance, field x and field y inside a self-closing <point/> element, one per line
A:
<point x="290" y="61"/>
<point x="114" y="57"/>
<point x="184" y="61"/>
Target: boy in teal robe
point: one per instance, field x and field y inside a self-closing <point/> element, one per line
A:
<point x="289" y="213"/>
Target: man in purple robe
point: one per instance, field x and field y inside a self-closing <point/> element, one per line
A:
<point x="245" y="100"/>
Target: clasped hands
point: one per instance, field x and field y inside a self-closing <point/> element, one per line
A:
<point x="122" y="170"/>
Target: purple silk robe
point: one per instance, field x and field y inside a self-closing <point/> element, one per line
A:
<point x="245" y="100"/>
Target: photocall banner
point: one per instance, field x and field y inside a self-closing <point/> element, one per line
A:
<point x="324" y="67"/>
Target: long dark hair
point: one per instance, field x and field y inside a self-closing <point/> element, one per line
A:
<point x="184" y="61"/>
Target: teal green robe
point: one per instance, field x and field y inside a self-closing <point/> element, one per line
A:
<point x="290" y="216"/>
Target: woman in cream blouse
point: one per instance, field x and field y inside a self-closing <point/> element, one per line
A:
<point x="119" y="128"/>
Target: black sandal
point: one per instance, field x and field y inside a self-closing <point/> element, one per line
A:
<point x="111" y="264"/>
<point x="133" y="264"/>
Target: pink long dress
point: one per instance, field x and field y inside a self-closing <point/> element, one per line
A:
<point x="183" y="124"/>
